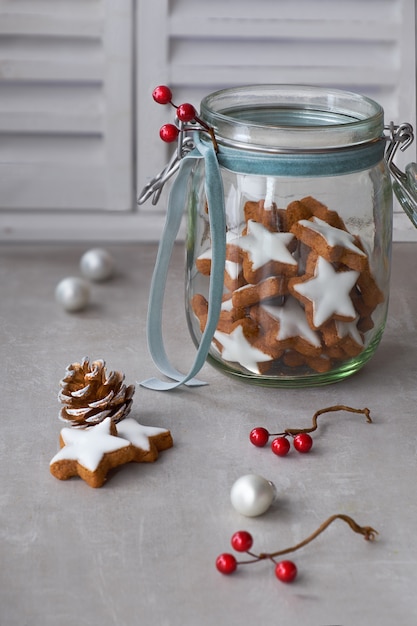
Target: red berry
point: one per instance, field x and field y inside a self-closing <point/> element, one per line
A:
<point x="186" y="112"/>
<point x="162" y="94"/>
<point x="226" y="563"/>
<point x="280" y="446"/>
<point x="242" y="541"/>
<point x="303" y="443"/>
<point x="259" y="437"/>
<point x="168" y="133"/>
<point x="286" y="571"/>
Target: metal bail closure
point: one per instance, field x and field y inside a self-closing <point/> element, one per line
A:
<point x="405" y="183"/>
<point x="155" y="186"/>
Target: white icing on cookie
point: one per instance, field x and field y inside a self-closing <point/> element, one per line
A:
<point x="334" y="236"/>
<point x="329" y="291"/>
<point x="233" y="269"/>
<point x="227" y="305"/>
<point x="349" y="329"/>
<point x="237" y="348"/>
<point x="88" y="446"/>
<point x="292" y="322"/>
<point x="263" y="246"/>
<point x="137" y="434"/>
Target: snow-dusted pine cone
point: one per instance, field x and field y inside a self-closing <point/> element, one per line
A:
<point x="90" y="394"/>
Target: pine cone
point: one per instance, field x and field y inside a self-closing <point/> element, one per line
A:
<point x="89" y="394"/>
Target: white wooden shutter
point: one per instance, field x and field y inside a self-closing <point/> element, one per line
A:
<point x="65" y="105"/>
<point x="196" y="46"/>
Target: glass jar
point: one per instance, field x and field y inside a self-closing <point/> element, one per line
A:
<point x="289" y="199"/>
<point x="308" y="208"/>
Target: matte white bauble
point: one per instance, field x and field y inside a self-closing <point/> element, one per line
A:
<point x="97" y="264"/>
<point x="252" y="495"/>
<point x="73" y="293"/>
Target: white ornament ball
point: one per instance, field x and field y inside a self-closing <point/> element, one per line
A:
<point x="73" y="293"/>
<point x="97" y="264"/>
<point x="252" y="495"/>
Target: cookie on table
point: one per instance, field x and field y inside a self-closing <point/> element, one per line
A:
<point x="147" y="441"/>
<point x="90" y="453"/>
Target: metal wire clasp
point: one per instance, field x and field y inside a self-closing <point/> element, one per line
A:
<point x="405" y="183"/>
<point x="155" y="186"/>
<point x="401" y="137"/>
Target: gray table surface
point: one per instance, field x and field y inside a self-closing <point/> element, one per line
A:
<point x="141" y="550"/>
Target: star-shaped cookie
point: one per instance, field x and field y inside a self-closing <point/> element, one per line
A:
<point x="147" y="441"/>
<point x="263" y="253"/>
<point x="334" y="244"/>
<point x="289" y="326"/>
<point x="325" y="295"/>
<point x="236" y="347"/>
<point x="90" y="453"/>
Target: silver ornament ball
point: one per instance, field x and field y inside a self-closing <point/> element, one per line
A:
<point x="97" y="264"/>
<point x="252" y="495"/>
<point x="73" y="293"/>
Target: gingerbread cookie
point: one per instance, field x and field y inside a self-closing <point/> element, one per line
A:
<point x="203" y="262"/>
<point x="326" y="294"/>
<point x="90" y="453"/>
<point x="270" y="217"/>
<point x="228" y="313"/>
<point x="295" y="212"/>
<point x="270" y="287"/>
<point x="301" y="293"/>
<point x="233" y="274"/>
<point x="288" y="328"/>
<point x="333" y="244"/>
<point x="262" y="253"/>
<point x="241" y="346"/>
<point x="147" y="441"/>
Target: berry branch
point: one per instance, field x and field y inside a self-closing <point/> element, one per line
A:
<point x="286" y="571"/>
<point x="330" y="409"/>
<point x="302" y="441"/>
<point x="368" y="533"/>
<point x="186" y="114"/>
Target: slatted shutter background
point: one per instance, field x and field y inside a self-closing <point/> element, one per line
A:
<point x="79" y="130"/>
<point x="65" y="105"/>
<point x="196" y="46"/>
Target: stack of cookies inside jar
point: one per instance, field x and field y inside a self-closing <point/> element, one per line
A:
<point x="299" y="293"/>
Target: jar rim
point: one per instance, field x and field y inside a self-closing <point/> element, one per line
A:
<point x="280" y="118"/>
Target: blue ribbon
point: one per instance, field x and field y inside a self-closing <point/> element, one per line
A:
<point x="333" y="162"/>
<point x="177" y="202"/>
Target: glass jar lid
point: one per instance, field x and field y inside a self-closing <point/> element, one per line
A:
<point x="292" y="118"/>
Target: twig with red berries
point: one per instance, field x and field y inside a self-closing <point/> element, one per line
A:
<point x="302" y="441"/>
<point x="186" y="114"/>
<point x="286" y="571"/>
